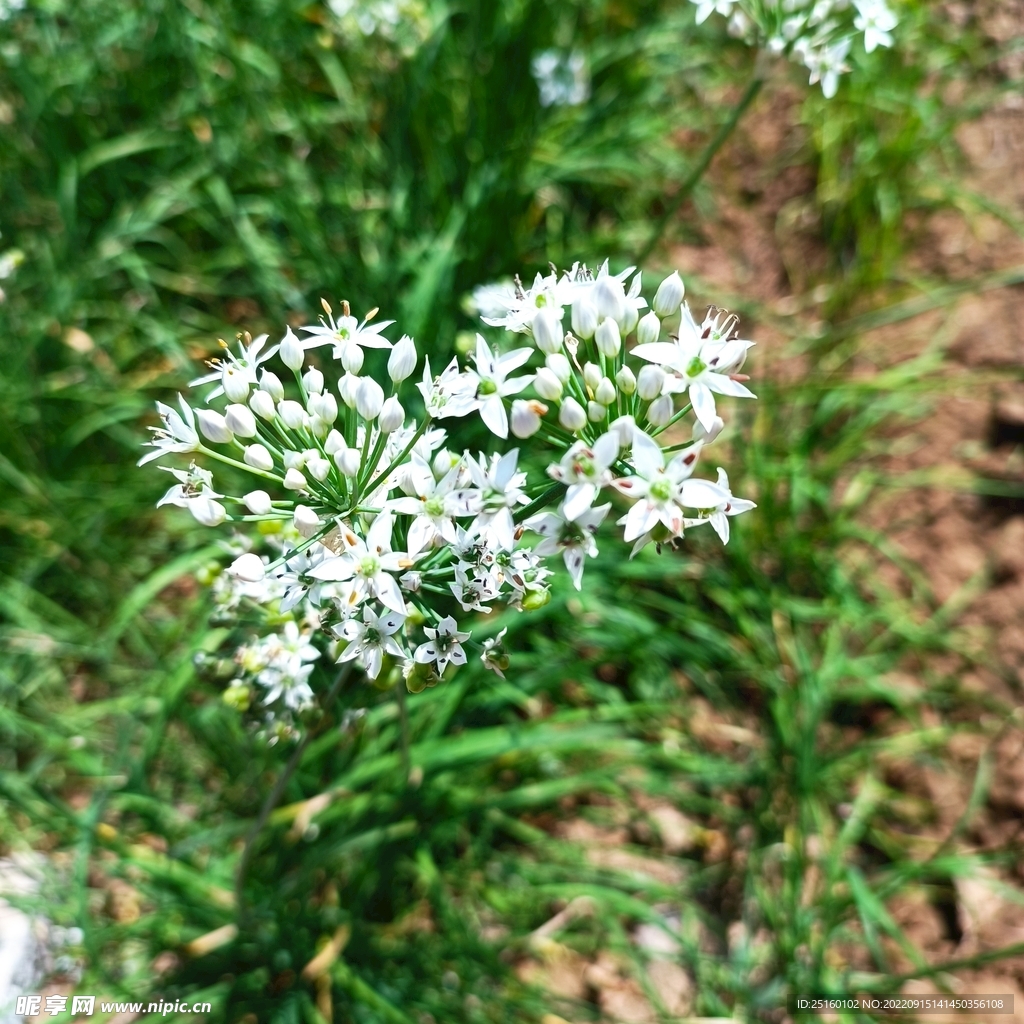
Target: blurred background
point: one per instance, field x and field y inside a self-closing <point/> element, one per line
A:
<point x="712" y="781"/>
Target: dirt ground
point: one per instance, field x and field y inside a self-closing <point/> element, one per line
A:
<point x="968" y="546"/>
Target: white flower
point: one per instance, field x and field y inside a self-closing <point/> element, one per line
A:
<point x="497" y="490"/>
<point x="584" y="471"/>
<point x="241" y="368"/>
<point x="262" y="403"/>
<point x="372" y="638"/>
<point x="291" y="351"/>
<point x="286" y="665"/>
<point x="294" y="480"/>
<point x="658" y="488"/>
<point x="698" y="358"/>
<point x="369" y="563"/>
<point x="649" y="329"/>
<point x="573" y="537"/>
<point x="392" y="415"/>
<point x="572" y="415"/>
<point x="444" y="645"/>
<point x="547" y="331"/>
<point x="450" y="394"/>
<point x="876" y="21"/>
<point x="348" y="336"/>
<point x="433" y="505"/>
<point x="239" y="420"/>
<point x="293" y="416"/>
<point x="369" y="398"/>
<point x="705" y="8"/>
<point x="178" y="434"/>
<point x="562" y="78"/>
<point x="195" y="492"/>
<point x="547" y="384"/>
<point x="490" y="378"/>
<point x="717" y="511"/>
<point x="494" y="655"/>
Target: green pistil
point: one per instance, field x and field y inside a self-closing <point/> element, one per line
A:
<point x="696" y="367"/>
<point x="487" y="387"/>
<point x="661" y="489"/>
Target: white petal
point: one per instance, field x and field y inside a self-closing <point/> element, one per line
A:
<point x="703" y="403"/>
<point x="647" y="455"/>
<point x="333" y="569"/>
<point x="492" y="412"/>
<point x="701" y="494"/>
<point x="578" y="498"/>
<point x="388" y="592"/>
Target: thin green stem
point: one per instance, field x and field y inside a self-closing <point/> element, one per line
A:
<point x="537" y="504"/>
<point x="693" y="178"/>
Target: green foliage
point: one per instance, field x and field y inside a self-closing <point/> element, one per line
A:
<point x="176" y="171"/>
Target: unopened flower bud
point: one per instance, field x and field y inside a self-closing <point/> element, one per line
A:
<point x="411" y="581"/>
<point x="294" y="480"/>
<point x="294" y="459"/>
<point x="443" y="463"/>
<point x="526" y="417"/>
<point x="584" y="317"/>
<point x="313" y="381"/>
<point x="558" y="364"/>
<point x="213" y="426"/>
<point x="608" y="339"/>
<point x="271" y="383"/>
<point x="547" y="385"/>
<point x="629" y="318"/>
<point x="347" y="460"/>
<point x="592" y="375"/>
<point x="707" y="436"/>
<point x="626" y="380"/>
<point x="352" y="358"/>
<point x="572" y="415"/>
<point x="207" y="511"/>
<point x="258" y="503"/>
<point x="649" y="329"/>
<point x="660" y="411"/>
<point x="291" y="351"/>
<point x="335" y="442"/>
<point x="605" y="392"/>
<point x="609" y="297"/>
<point x="306" y="521"/>
<point x="248" y="567"/>
<point x="292" y="414"/>
<point x="257" y="456"/>
<point x="392" y="415"/>
<point x="402" y="360"/>
<point x="347" y="388"/>
<point x="240" y="420"/>
<point x="318" y="468"/>
<point x="369" y="398"/>
<point x="669" y="295"/>
<point x="328" y="411"/>
<point x="650" y="381"/>
<point x="262" y="404"/>
<point x="547" y="331"/>
<point x="236" y="387"/>
<point x="596" y="412"/>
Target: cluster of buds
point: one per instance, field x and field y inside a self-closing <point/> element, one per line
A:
<point x="816" y="33"/>
<point x="381" y="531"/>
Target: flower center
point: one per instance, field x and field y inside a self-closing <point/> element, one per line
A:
<point x="371" y="636"/>
<point x="661" y="489"/>
<point x="369" y="566"/>
<point x="584" y="466"/>
<point x="696" y="367"/>
<point x="434" y="506"/>
<point x="344" y="333"/>
<point x="487" y="387"/>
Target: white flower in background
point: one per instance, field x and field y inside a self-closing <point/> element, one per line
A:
<point x="876" y="21"/>
<point x="7" y="8"/>
<point x="816" y="33"/>
<point x="717" y="513"/>
<point x="494" y="656"/>
<point x="281" y="663"/>
<point x="371" y="639"/>
<point x="443" y="645"/>
<point x="562" y="78"/>
<point x="451" y="393"/>
<point x="237" y="371"/>
<point x="348" y="335"/>
<point x="574" y="538"/>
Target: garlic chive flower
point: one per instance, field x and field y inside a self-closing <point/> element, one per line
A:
<point x="371" y="529"/>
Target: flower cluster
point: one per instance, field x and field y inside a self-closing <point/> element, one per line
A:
<point x="377" y="531"/>
<point x="406" y="22"/>
<point x="816" y="33"/>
